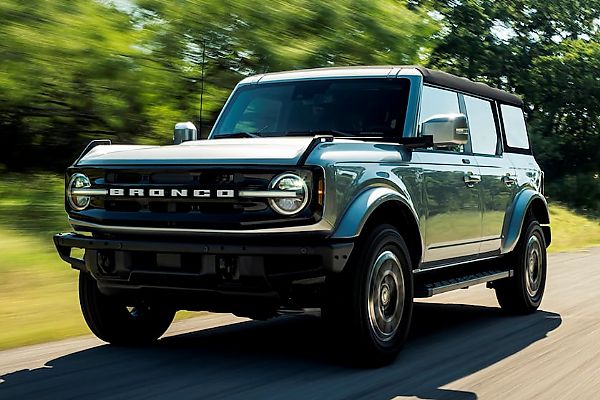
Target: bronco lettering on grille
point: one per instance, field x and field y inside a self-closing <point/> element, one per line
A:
<point x="159" y="192"/>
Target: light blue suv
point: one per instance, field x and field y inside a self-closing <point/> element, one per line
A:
<point x="348" y="191"/>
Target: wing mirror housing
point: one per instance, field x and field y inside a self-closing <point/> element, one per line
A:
<point x="446" y="129"/>
<point x="184" y="132"/>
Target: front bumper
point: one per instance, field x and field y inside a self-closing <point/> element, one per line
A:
<point x="200" y="265"/>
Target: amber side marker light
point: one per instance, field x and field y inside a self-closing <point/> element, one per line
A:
<point x="320" y="191"/>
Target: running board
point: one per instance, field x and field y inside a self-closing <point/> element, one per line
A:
<point x="299" y="311"/>
<point x="463" y="282"/>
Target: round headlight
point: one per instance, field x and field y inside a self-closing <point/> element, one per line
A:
<point x="298" y="194"/>
<point x="78" y="181"/>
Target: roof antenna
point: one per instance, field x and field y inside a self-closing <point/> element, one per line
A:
<point x="202" y="84"/>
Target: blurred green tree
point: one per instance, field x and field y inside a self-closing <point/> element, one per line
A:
<point x="67" y="76"/>
<point x="83" y="69"/>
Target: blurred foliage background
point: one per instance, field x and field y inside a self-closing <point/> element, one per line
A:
<point x="128" y="70"/>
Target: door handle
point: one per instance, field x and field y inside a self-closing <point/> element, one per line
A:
<point x="471" y="179"/>
<point x="509" y="179"/>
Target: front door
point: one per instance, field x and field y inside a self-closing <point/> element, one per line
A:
<point x="453" y="220"/>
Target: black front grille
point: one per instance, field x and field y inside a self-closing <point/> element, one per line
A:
<point x="189" y="180"/>
<point x="187" y="211"/>
<point x="121" y="205"/>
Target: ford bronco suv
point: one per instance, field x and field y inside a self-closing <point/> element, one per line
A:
<point x="346" y="190"/>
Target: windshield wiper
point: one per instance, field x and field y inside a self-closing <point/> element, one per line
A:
<point x="316" y="132"/>
<point x="236" y="135"/>
<point x="321" y="132"/>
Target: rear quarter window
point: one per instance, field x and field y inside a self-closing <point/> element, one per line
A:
<point x="484" y="136"/>
<point x="514" y="127"/>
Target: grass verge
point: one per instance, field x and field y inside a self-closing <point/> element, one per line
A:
<point x="571" y="231"/>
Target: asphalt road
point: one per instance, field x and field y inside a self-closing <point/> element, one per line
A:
<point x="462" y="347"/>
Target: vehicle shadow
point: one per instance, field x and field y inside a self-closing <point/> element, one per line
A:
<point x="288" y="358"/>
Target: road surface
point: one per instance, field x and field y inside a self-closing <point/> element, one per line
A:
<point x="462" y="347"/>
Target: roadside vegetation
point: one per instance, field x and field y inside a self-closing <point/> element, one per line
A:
<point x="128" y="70"/>
<point x="38" y="295"/>
<point x="572" y="231"/>
<point x="38" y="292"/>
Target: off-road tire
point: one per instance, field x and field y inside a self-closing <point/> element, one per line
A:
<point x="522" y="294"/>
<point x="354" y="296"/>
<point x="116" y="323"/>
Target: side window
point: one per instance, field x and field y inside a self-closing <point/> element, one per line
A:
<point x="514" y="126"/>
<point x="484" y="137"/>
<point x="439" y="101"/>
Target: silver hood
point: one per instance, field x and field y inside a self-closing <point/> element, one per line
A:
<point x="256" y="151"/>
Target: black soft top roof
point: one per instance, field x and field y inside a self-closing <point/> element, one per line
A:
<point x="431" y="76"/>
<point x="444" y="79"/>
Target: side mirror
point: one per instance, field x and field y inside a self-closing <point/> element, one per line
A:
<point x="184" y="131"/>
<point x="446" y="129"/>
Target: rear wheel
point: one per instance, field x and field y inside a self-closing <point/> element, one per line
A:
<point x="119" y="323"/>
<point x="370" y="303"/>
<point x="522" y="294"/>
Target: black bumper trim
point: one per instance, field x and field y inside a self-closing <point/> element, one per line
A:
<point x="334" y="255"/>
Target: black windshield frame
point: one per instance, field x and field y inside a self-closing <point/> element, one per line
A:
<point x="373" y="107"/>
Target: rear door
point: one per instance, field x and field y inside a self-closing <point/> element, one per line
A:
<point x="498" y="177"/>
<point x="450" y="173"/>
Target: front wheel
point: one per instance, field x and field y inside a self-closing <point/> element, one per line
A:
<point x="370" y="303"/>
<point x="522" y="294"/>
<point x="119" y="323"/>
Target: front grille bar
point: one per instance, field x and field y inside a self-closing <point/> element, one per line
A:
<point x="268" y="194"/>
<point x="89" y="192"/>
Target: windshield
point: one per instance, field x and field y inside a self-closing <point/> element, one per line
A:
<point x="341" y="107"/>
